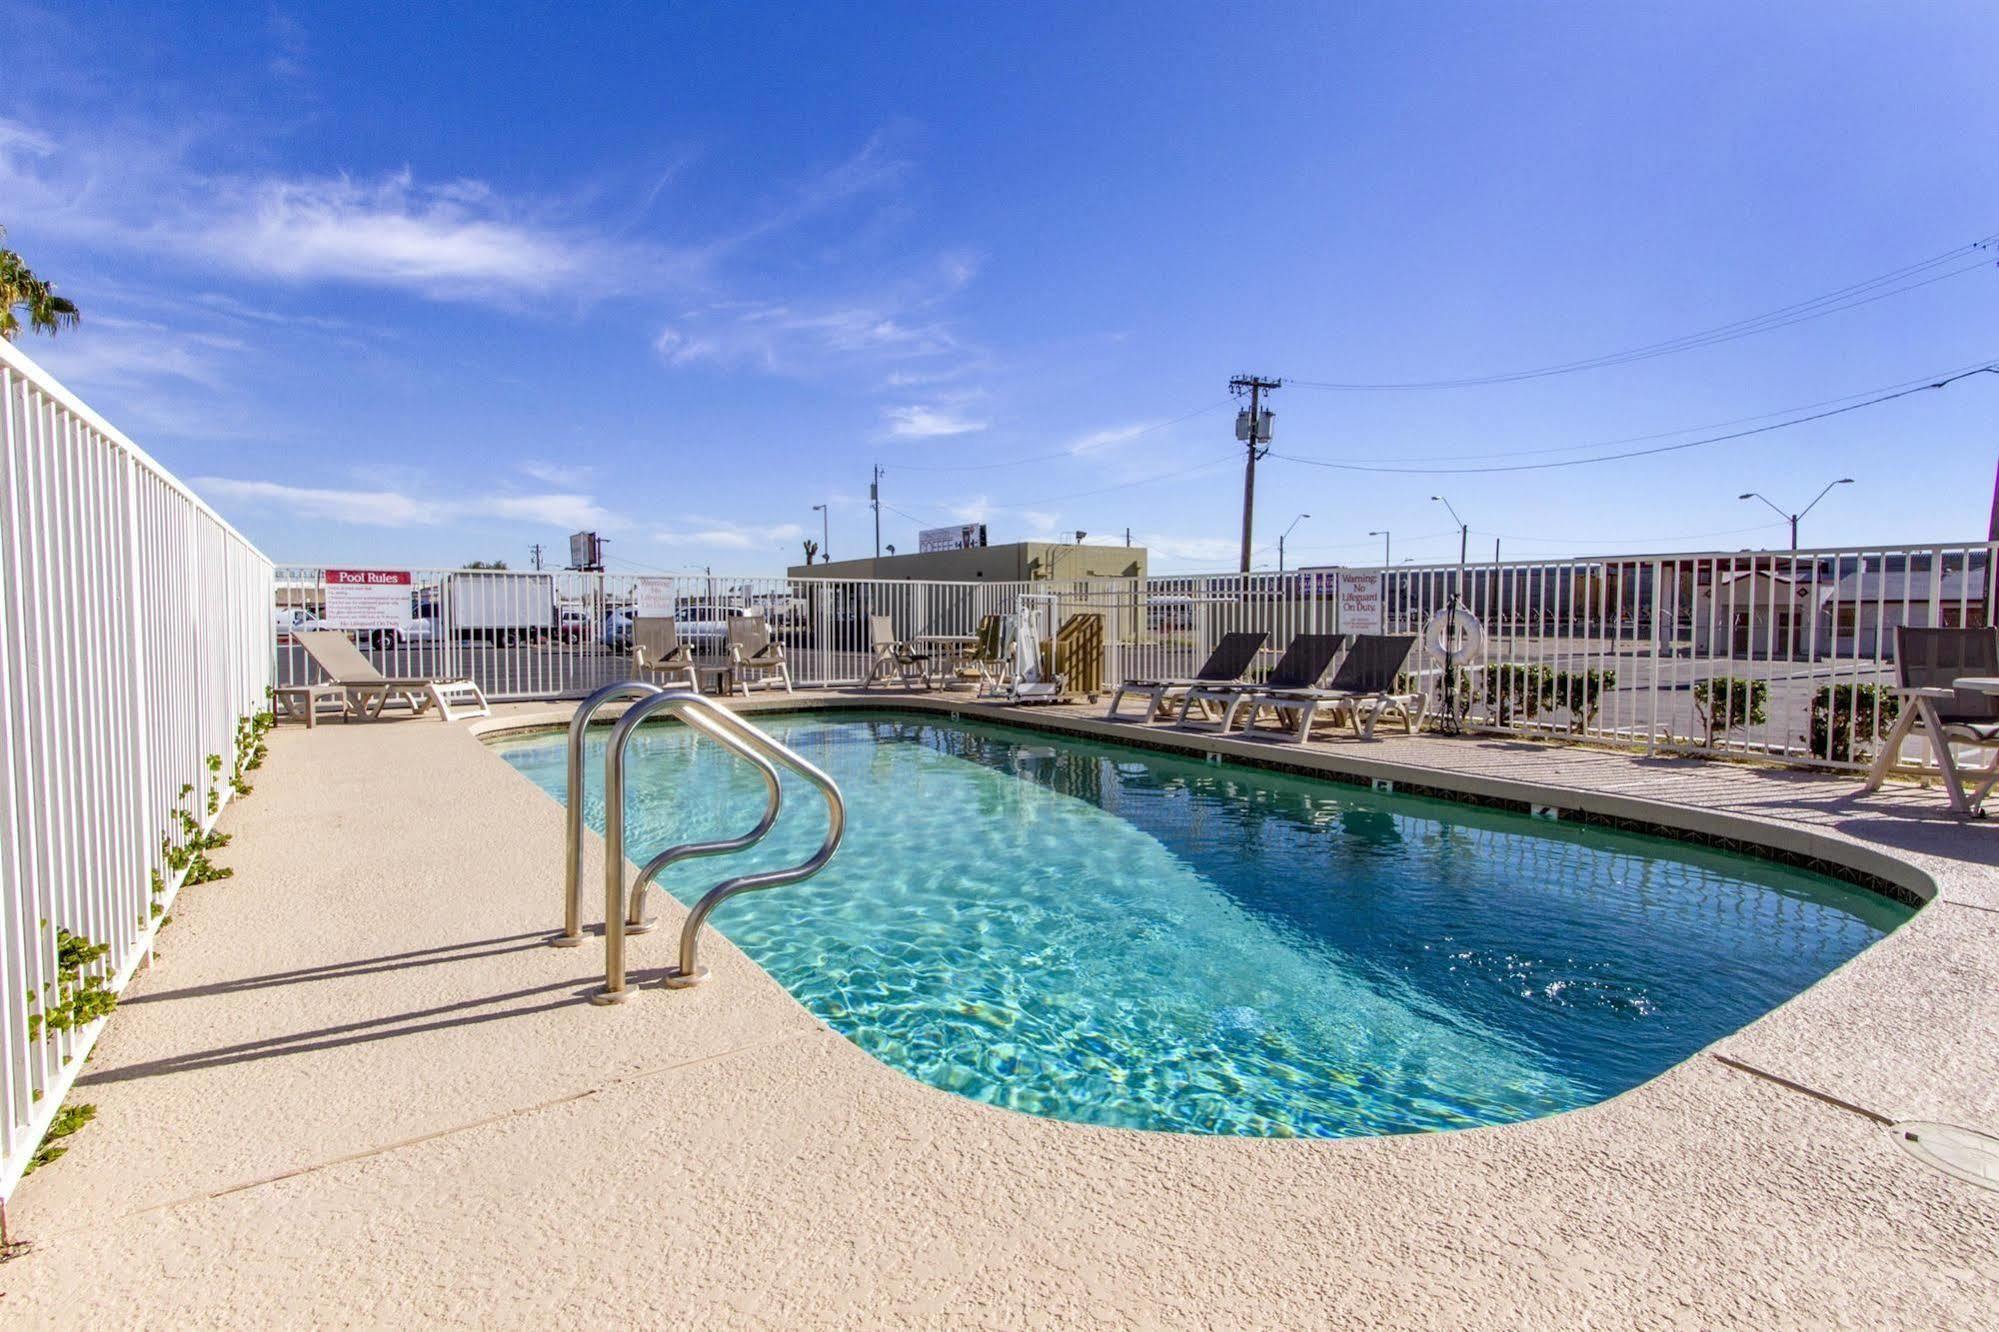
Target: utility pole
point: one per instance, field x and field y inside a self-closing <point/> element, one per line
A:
<point x="1995" y="513"/>
<point x="1991" y="528"/>
<point x="1253" y="429"/>
<point x="875" y="502"/>
<point x="535" y="552"/>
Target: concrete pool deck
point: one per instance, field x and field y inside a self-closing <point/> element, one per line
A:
<point x="356" y="1088"/>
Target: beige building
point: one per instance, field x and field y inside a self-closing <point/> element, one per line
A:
<point x="1022" y="561"/>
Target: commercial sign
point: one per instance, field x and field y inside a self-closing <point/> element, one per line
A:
<point x="586" y="551"/>
<point x="1359" y="603"/>
<point x="654" y="599"/>
<point x="367" y="598"/>
<point x="967" y="537"/>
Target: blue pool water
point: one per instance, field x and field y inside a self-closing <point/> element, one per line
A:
<point x="1117" y="936"/>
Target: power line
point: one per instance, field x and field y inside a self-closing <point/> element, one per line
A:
<point x="1896" y="282"/>
<point x="1989" y="368"/>
<point x="1921" y="381"/>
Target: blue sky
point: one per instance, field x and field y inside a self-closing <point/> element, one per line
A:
<point x="425" y="283"/>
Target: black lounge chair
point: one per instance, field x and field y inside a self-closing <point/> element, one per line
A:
<point x="1928" y="664"/>
<point x="1225" y="665"/>
<point x="1363" y="689"/>
<point x="1308" y="658"/>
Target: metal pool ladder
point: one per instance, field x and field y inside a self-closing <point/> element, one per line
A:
<point x="625" y="914"/>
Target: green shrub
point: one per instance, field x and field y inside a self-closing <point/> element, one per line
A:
<point x="1507" y="691"/>
<point x="1728" y="701"/>
<point x="1845" y="719"/>
<point x="1581" y="692"/>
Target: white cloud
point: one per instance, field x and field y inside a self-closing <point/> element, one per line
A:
<point x="1103" y="439"/>
<point x="783" y="339"/>
<point x="919" y="422"/>
<point x="555" y="473"/>
<point x="729" y="536"/>
<point x="1211" y="552"/>
<point x="394" y="508"/>
<point x="448" y="240"/>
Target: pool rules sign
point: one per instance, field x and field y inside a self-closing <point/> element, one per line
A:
<point x="367" y="598"/>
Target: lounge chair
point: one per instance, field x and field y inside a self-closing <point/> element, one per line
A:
<point x="755" y="658"/>
<point x="659" y="655"/>
<point x="1308" y="658"/>
<point x="1362" y="689"/>
<point x="1225" y="665"/>
<point x="1927" y="663"/>
<point x="893" y="657"/>
<point x="335" y="654"/>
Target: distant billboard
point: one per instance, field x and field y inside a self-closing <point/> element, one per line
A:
<point x="965" y="537"/>
<point x="586" y="551"/>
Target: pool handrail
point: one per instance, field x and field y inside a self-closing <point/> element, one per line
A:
<point x="572" y="857"/>
<point x="723" y="726"/>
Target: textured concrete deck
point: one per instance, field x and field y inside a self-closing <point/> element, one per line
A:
<point x="356" y="1089"/>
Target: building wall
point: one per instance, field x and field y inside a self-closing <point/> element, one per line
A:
<point x="1017" y="562"/>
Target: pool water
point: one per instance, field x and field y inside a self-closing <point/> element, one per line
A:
<point x="1116" y="936"/>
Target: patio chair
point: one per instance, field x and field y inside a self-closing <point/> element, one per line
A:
<point x="1362" y="690"/>
<point x="893" y="657"/>
<point x="755" y="658"/>
<point x="659" y="655"/>
<point x="334" y="653"/>
<point x="1928" y="665"/>
<point x="1307" y="659"/>
<point x="988" y="661"/>
<point x="1225" y="665"/>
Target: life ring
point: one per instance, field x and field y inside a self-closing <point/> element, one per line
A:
<point x="1454" y="633"/>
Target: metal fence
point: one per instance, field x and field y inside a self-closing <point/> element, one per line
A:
<point x="1773" y="655"/>
<point x="134" y="632"/>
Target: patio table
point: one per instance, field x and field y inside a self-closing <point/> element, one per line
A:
<point x="1923" y="704"/>
<point x="947" y="651"/>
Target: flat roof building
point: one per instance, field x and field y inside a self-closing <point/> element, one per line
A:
<point x="1021" y="561"/>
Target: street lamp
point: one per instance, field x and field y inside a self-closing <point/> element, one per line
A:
<point x="1287" y="532"/>
<point x="1383" y="534"/>
<point x="1792" y="518"/>
<point x="825" y="540"/>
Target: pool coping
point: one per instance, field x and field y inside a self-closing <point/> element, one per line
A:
<point x="395" y="883"/>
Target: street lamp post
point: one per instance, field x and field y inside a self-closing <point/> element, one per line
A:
<point x="1451" y="721"/>
<point x="1385" y="560"/>
<point x="1287" y="532"/>
<point x="1792" y="518"/>
<point x="825" y="540"/>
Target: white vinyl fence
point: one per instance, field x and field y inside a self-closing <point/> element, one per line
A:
<point x="1775" y="655"/>
<point x="134" y="631"/>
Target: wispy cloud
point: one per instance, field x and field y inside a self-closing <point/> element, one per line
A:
<point x="396" y="508"/>
<point x="920" y="422"/>
<point x="446" y="240"/>
<point x="726" y="535"/>
<point x="554" y="473"/>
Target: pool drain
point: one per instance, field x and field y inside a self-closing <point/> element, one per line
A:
<point x="1961" y="1153"/>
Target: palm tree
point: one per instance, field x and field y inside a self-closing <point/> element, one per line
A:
<point x="21" y="289"/>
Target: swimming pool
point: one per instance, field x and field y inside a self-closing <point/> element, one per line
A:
<point x="1118" y="936"/>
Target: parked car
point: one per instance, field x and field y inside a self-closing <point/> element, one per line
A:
<point x="704" y="626"/>
<point x="618" y="629"/>
<point x="294" y="620"/>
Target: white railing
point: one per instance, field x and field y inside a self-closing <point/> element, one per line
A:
<point x="522" y="634"/>
<point x="134" y="632"/>
<point x="1774" y="655"/>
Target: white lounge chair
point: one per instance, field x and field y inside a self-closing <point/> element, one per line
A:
<point x="892" y="657"/>
<point x="369" y="691"/>
<point x="755" y="658"/>
<point x="658" y="654"/>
